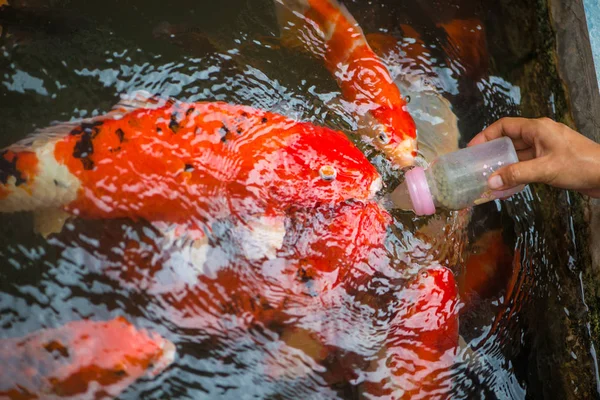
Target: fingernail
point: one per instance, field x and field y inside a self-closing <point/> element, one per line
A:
<point x="495" y="182"/>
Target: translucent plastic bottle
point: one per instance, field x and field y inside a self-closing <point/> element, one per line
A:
<point x="456" y="180"/>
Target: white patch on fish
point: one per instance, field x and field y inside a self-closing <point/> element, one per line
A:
<point x="261" y="237"/>
<point x="54" y="186"/>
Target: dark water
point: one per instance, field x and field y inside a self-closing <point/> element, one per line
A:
<point x="63" y="60"/>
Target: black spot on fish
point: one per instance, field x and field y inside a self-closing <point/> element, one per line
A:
<point x="304" y="275"/>
<point x="116" y="149"/>
<point x="189" y="111"/>
<point x="59" y="184"/>
<point x="84" y="148"/>
<point x="174" y="123"/>
<point x="120" y="373"/>
<point x="264" y="120"/>
<point x="57" y="349"/>
<point x="188" y="168"/>
<point x="223" y="131"/>
<point x="8" y="169"/>
<point x="239" y="131"/>
<point x="86" y="127"/>
<point x="159" y="131"/>
<point x="120" y="134"/>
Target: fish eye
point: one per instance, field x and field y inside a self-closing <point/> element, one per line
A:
<point x="407" y="99"/>
<point x="383" y="138"/>
<point x="327" y="172"/>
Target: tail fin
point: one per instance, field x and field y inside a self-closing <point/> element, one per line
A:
<point x="296" y="31"/>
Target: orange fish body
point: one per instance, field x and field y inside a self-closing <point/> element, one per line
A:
<point x="184" y="164"/>
<point x="423" y="340"/>
<point x="80" y="360"/>
<point x="361" y="75"/>
<point x="488" y="267"/>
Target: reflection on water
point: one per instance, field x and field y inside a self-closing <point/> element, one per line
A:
<point x="338" y="311"/>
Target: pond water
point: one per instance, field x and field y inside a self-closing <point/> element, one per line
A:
<point x="243" y="331"/>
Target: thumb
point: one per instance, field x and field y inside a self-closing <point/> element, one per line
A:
<point x="520" y="173"/>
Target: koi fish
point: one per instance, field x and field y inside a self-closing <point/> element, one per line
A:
<point x="368" y="66"/>
<point x="436" y="123"/>
<point x="327" y="29"/>
<point x="81" y="360"/>
<point x="488" y="267"/>
<point x="181" y="164"/>
<point x="424" y="339"/>
<point x="466" y="47"/>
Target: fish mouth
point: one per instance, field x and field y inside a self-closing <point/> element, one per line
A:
<point x="165" y="358"/>
<point x="404" y="153"/>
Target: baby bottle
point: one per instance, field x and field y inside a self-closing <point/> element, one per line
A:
<point x="456" y="180"/>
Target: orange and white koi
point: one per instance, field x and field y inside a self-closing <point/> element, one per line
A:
<point x="327" y="29"/>
<point x="183" y="164"/>
<point x="81" y="360"/>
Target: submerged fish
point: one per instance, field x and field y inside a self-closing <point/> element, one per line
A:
<point x="326" y="29"/>
<point x="80" y="360"/>
<point x="314" y="295"/>
<point x="183" y="165"/>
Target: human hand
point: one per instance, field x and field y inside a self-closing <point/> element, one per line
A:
<point x="549" y="152"/>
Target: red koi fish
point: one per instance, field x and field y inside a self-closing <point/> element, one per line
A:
<point x="328" y="30"/>
<point x="488" y="267"/>
<point x="182" y="164"/>
<point x="425" y="335"/>
<point x="80" y="360"/>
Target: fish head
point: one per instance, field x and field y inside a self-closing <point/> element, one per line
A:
<point x="396" y="137"/>
<point x="114" y="354"/>
<point x="391" y="130"/>
<point x="324" y="166"/>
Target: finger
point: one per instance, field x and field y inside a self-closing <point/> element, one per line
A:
<point x="515" y="128"/>
<point x="507" y="194"/>
<point x="520" y="144"/>
<point x="521" y="173"/>
<point x="526" y="154"/>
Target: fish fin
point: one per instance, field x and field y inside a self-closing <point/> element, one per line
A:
<point x="186" y="246"/>
<point x="261" y="237"/>
<point x="295" y="30"/>
<point x="437" y="125"/>
<point x="49" y="221"/>
<point x="138" y="99"/>
<point x="310" y="33"/>
<point x="178" y="232"/>
<point x="58" y="130"/>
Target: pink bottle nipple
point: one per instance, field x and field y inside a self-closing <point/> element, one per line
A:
<point x="418" y="190"/>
